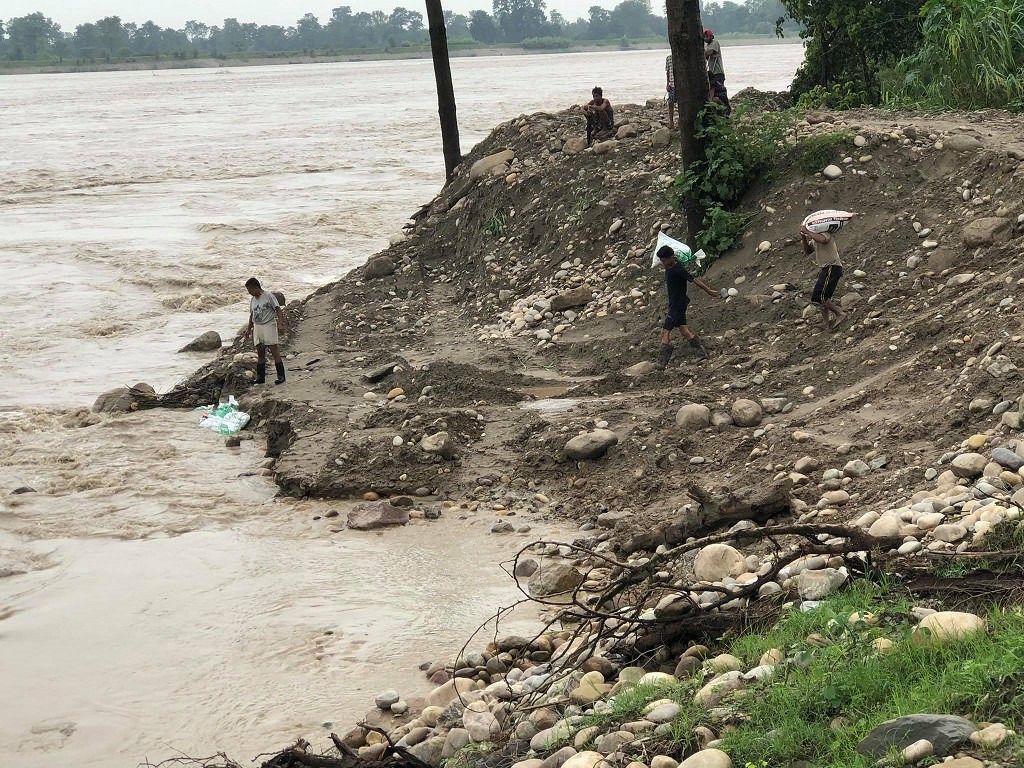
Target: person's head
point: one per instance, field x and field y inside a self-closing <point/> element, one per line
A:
<point x="252" y="285"/>
<point x="597" y="93"/>
<point x="667" y="256"/>
<point x="708" y="35"/>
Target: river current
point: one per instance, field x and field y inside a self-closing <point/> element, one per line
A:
<point x="156" y="597"/>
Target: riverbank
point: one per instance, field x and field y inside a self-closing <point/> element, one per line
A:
<point x="501" y="351"/>
<point x="241" y="60"/>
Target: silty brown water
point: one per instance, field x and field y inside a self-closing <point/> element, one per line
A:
<point x="154" y="595"/>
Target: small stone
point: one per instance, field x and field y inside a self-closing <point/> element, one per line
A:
<point x="832" y="172"/>
<point x="386" y="699"/>
<point x="918" y="751"/>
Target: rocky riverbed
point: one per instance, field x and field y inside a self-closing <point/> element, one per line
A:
<point x="497" y="358"/>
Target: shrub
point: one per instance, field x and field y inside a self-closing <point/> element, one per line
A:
<point x="972" y="57"/>
<point x="821" y="149"/>
<point x="546" y="43"/>
<point x="741" y="149"/>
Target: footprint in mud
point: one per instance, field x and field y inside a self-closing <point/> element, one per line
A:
<point x="48" y="736"/>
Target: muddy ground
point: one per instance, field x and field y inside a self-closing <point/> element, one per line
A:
<point x="465" y="303"/>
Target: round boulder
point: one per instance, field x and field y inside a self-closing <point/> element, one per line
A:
<point x="592" y="445"/>
<point x="947" y="626"/>
<point x="693" y="417"/>
<point x="716" y="561"/>
<point x="746" y="413"/>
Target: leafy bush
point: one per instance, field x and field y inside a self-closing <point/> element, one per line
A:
<point x="972" y="57"/>
<point x="741" y="149"/>
<point x="546" y="43"/>
<point x="821" y="149"/>
<point x="838" y="96"/>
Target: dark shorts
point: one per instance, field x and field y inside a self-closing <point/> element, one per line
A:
<point x="671" y="95"/>
<point x="675" y="318"/>
<point x="828" y="280"/>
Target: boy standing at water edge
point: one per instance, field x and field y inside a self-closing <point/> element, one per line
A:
<point x="826" y="255"/>
<point x="676" y="278"/>
<point x="266" y="324"/>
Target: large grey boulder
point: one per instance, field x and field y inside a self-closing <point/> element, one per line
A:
<point x="961" y="142"/>
<point x="120" y="399"/>
<point x="553" y="579"/>
<point x="381" y="266"/>
<point x="485" y="165"/>
<point x="592" y="445"/>
<point x="947" y="733"/>
<point x="377" y="514"/>
<point x="207" y="342"/>
<point x="987" y="231"/>
<point x="577" y="297"/>
<point x="693" y="417"/>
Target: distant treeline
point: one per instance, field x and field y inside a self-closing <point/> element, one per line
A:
<point x="36" y="38"/>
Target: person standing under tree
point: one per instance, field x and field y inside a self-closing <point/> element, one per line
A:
<point x="676" y="279"/>
<point x="266" y="325"/>
<point x="826" y="255"/>
<point x="716" y="71"/>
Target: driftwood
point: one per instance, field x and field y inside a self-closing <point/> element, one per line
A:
<point x="616" y="620"/>
<point x="715" y="509"/>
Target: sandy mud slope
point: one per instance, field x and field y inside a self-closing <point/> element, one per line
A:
<point x="520" y="310"/>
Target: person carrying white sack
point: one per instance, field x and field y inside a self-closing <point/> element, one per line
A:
<point x="676" y="279"/>
<point x="817" y="234"/>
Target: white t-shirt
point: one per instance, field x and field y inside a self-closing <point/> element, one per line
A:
<point x="264" y="309"/>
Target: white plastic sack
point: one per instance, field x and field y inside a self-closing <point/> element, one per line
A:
<point x="827" y="221"/>
<point x="224" y="418"/>
<point x="683" y="252"/>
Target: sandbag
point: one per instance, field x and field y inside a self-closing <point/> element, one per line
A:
<point x="224" y="418"/>
<point x="682" y="250"/>
<point x="827" y="221"/>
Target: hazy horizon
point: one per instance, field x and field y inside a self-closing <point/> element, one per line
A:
<point x="71" y="13"/>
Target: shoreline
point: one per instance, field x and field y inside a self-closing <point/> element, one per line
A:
<point x="210" y="62"/>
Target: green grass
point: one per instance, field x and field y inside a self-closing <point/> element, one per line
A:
<point x="817" y="151"/>
<point x="972" y="57"/>
<point x="495" y="225"/>
<point x="789" y="717"/>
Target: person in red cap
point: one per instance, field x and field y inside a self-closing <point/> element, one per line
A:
<point x="716" y="72"/>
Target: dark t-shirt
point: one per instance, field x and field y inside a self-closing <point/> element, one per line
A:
<point x="676" y="278"/>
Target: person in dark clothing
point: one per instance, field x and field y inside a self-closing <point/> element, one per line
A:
<point x="676" y="279"/>
<point x="600" y="116"/>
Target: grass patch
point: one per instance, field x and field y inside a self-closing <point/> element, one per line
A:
<point x="790" y="717"/>
<point x="822" y="149"/>
<point x="495" y="225"/>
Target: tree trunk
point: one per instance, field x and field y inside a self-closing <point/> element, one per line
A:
<point x="690" y="72"/>
<point x="445" y="91"/>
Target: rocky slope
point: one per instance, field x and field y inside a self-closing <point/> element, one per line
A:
<point x="498" y="355"/>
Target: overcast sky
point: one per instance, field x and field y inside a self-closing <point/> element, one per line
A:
<point x="70" y="13"/>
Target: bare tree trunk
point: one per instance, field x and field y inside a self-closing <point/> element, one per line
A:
<point x="445" y="91"/>
<point x="690" y="72"/>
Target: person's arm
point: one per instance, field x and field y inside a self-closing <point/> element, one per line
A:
<point x="706" y="288"/>
<point x="248" y="328"/>
<point x="818" y="237"/>
<point x="280" y="320"/>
